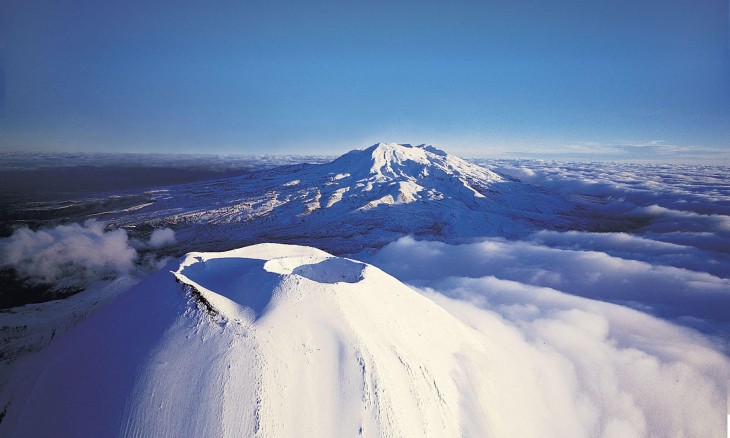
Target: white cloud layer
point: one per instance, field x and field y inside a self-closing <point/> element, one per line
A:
<point x="653" y="150"/>
<point x="695" y="298"/>
<point x="618" y="332"/>
<point x="586" y="368"/>
<point x="581" y="366"/>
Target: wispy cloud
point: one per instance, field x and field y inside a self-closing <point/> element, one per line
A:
<point x="649" y="150"/>
<point x="74" y="255"/>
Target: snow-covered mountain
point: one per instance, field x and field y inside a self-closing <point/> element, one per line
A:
<point x="364" y="198"/>
<point x="551" y="334"/>
<point x="267" y="340"/>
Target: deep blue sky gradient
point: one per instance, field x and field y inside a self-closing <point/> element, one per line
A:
<point x="597" y="79"/>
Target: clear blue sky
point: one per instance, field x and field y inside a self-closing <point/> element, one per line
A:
<point x="553" y="78"/>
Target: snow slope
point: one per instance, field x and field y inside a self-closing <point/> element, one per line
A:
<point x="365" y="198"/>
<point x="268" y="340"/>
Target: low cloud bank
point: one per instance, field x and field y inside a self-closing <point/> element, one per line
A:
<point x="623" y="188"/>
<point x="73" y="255"/>
<point x="692" y="297"/>
<point x="569" y="365"/>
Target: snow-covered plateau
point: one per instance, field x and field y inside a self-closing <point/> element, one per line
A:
<point x="455" y="298"/>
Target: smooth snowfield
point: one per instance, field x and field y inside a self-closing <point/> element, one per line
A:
<point x="269" y="340"/>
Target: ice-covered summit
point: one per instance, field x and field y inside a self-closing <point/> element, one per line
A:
<point x="393" y="160"/>
<point x="267" y="340"/>
<point x="391" y="173"/>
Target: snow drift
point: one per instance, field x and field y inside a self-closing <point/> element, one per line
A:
<point x="280" y="340"/>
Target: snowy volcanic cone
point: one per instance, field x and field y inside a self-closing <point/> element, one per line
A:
<point x="390" y="173"/>
<point x="267" y="340"/>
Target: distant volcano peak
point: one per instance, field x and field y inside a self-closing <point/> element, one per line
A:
<point x="388" y="161"/>
<point x="384" y="190"/>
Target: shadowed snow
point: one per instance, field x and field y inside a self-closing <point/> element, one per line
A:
<point x="332" y="270"/>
